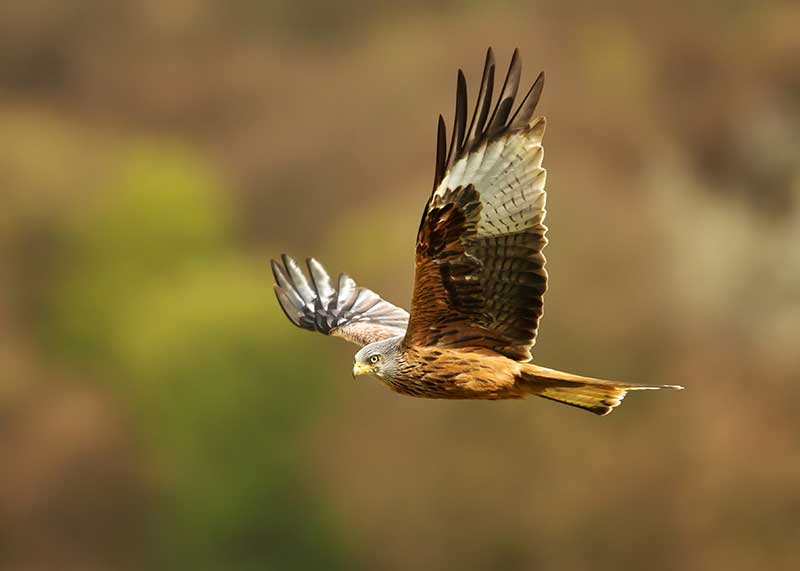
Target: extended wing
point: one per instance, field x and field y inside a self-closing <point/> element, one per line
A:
<point x="353" y="313"/>
<point x="480" y="277"/>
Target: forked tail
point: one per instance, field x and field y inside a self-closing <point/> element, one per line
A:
<point x="595" y="395"/>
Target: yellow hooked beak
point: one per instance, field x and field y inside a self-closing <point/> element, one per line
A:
<point x="361" y="369"/>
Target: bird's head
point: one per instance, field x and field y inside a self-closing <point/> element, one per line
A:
<point x="379" y="359"/>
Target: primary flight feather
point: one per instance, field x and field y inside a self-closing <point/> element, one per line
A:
<point x="480" y="277"/>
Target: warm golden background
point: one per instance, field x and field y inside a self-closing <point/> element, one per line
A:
<point x="158" y="412"/>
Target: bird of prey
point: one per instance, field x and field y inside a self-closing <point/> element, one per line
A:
<point x="480" y="276"/>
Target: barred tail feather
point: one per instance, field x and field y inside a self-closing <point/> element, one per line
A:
<point x="595" y="395"/>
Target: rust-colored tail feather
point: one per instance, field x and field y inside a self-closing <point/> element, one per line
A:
<point x="595" y="395"/>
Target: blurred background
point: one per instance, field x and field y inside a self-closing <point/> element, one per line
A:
<point x="157" y="411"/>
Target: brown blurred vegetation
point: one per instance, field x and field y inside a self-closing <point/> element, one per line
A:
<point x="156" y="409"/>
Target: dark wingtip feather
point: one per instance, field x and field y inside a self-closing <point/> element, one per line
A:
<point x="298" y="279"/>
<point x="489" y="58"/>
<point x="485" y="104"/>
<point x="292" y="312"/>
<point x="524" y="113"/>
<point x="321" y="279"/>
<point x="507" y="94"/>
<point x="461" y="110"/>
<point x="441" y="151"/>
<point x="276" y="270"/>
<point x="459" y="119"/>
<point x="280" y="275"/>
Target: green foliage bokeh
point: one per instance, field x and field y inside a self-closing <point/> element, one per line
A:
<point x="153" y="287"/>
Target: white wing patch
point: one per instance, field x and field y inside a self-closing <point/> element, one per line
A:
<point x="508" y="175"/>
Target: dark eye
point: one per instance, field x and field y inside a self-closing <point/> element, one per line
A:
<point x="374" y="359"/>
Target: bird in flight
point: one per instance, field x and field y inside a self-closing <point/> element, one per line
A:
<point x="480" y="276"/>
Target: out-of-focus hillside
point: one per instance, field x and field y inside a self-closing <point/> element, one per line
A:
<point x="157" y="409"/>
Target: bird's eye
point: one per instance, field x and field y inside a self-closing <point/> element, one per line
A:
<point x="374" y="359"/>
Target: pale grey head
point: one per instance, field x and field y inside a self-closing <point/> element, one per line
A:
<point x="380" y="359"/>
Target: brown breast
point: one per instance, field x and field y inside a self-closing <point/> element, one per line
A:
<point x="434" y="372"/>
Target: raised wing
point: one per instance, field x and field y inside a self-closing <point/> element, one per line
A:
<point x="480" y="277"/>
<point x="353" y="313"/>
